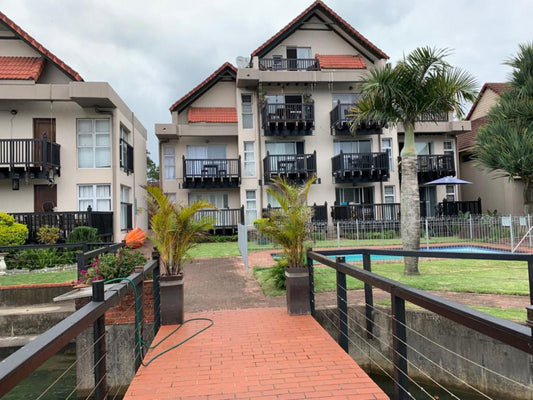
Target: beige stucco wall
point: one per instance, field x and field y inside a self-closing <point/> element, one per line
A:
<point x="485" y="103"/>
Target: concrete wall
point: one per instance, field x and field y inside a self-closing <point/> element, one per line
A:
<point x="477" y="348"/>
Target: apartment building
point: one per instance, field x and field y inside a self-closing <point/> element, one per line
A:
<point x="284" y="112"/>
<point x="510" y="199"/>
<point x="65" y="144"/>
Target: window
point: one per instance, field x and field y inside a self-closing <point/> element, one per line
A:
<point x="450" y="192"/>
<point x="344" y="98"/>
<point x="171" y="197"/>
<point x="355" y="195"/>
<point x="386" y="147"/>
<point x="249" y="159"/>
<point x="271" y="201"/>
<point x="217" y="199"/>
<point x="352" y="146"/>
<point x="448" y="147"/>
<point x="169" y="162"/>
<point x="247" y="111"/>
<point x="251" y="207"/>
<point x="296" y="57"/>
<point x="126" y="221"/>
<point x="389" y="194"/>
<point x="423" y="148"/>
<point x="126" y="150"/>
<point x="94" y="143"/>
<point x="96" y="196"/>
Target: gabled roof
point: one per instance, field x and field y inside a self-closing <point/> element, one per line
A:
<point x="212" y="114"/>
<point x="226" y="72"/>
<point x="17" y="30"/>
<point x="496" y="87"/>
<point x="341" y="61"/>
<point x="312" y="10"/>
<point x="467" y="140"/>
<point x="21" y="68"/>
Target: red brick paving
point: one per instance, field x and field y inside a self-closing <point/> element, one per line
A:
<point x="252" y="354"/>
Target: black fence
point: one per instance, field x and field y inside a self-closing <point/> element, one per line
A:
<point x="288" y="64"/>
<point x="339" y="122"/>
<point x="432" y="166"/>
<point x="291" y="166"/>
<point x="360" y="167"/>
<point x="225" y="220"/>
<point x="320" y="213"/>
<point x="219" y="172"/>
<point x="66" y="221"/>
<point x="288" y="119"/>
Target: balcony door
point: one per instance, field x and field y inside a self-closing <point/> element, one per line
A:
<point x="205" y="155"/>
<point x="45" y="197"/>
<point x="428" y="201"/>
<point x="42" y="127"/>
<point x="297" y="53"/>
<point x="352" y="146"/>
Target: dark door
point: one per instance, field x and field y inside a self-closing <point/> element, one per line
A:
<point x="292" y="62"/>
<point x="45" y="198"/>
<point x="42" y="127"/>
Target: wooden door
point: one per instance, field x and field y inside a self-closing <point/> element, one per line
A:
<point x="45" y="197"/>
<point x="42" y="126"/>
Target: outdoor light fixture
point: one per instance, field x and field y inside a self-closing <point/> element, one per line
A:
<point x="15" y="184"/>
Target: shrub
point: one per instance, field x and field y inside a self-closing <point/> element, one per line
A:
<point x="38" y="259"/>
<point x="277" y="273"/>
<point x="48" y="234"/>
<point x="219" y="239"/>
<point x="11" y="232"/>
<point x="83" y="234"/>
<point x="109" y="266"/>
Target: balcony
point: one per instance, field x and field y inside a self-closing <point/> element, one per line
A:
<point x="434" y="166"/>
<point x="288" y="119"/>
<point x="360" y="167"/>
<point x="34" y="158"/>
<point x="288" y="64"/>
<point x="211" y="173"/>
<point x="339" y="122"/>
<point x="126" y="156"/>
<point x="296" y="168"/>
<point x="225" y="221"/>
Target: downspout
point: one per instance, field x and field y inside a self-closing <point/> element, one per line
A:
<point x="259" y="151"/>
<point x="134" y="184"/>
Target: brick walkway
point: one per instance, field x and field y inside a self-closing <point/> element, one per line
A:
<point x="252" y="354"/>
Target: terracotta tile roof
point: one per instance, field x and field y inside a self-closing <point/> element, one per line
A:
<point x="21" y="68"/>
<point x="212" y="114"/>
<point x="202" y="87"/>
<point x="343" y="61"/>
<point x="39" y="47"/>
<point x="496" y="87"/>
<point x="318" y="5"/>
<point x="466" y="140"/>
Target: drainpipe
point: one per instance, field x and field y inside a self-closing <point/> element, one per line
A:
<point x="259" y="149"/>
<point x="134" y="184"/>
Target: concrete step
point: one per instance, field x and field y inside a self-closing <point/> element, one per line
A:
<point x="33" y="319"/>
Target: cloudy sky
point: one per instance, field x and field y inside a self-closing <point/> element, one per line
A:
<point x="154" y="51"/>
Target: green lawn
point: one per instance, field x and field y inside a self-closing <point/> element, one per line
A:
<point x="38" y="277"/>
<point x="225" y="249"/>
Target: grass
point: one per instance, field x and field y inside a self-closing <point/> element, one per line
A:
<point x="207" y="250"/>
<point x="38" y="277"/>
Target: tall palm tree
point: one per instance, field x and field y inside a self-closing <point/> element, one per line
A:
<point x="505" y="143"/>
<point x="422" y="84"/>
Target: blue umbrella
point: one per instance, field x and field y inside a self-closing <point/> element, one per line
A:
<point x="447" y="180"/>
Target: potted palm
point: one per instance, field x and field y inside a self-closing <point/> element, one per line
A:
<point x="176" y="229"/>
<point x="289" y="227"/>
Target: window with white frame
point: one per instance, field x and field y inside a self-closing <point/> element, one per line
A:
<point x="94" y="143"/>
<point x="251" y="207"/>
<point x="352" y="146"/>
<point x="217" y="199"/>
<point x="386" y="147"/>
<point x="389" y="195"/>
<point x="448" y="147"/>
<point x="272" y="201"/>
<point x="344" y="98"/>
<point x="126" y="221"/>
<point x="450" y="192"/>
<point x="171" y="197"/>
<point x="96" y="196"/>
<point x="249" y="159"/>
<point x="247" y="111"/>
<point x="170" y="162"/>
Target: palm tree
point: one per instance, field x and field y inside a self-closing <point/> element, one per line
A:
<point x="289" y="225"/>
<point x="421" y="84"/>
<point x="176" y="229"/>
<point x="505" y="143"/>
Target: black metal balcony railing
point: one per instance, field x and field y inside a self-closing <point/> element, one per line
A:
<point x="225" y="220"/>
<point x="126" y="156"/>
<point x="360" y="167"/>
<point x="431" y="167"/>
<point x="288" y="119"/>
<point x="289" y="64"/>
<point x="211" y="173"/>
<point x="32" y="156"/>
<point x="436" y="117"/>
<point x="294" y="167"/>
<point x="320" y="213"/>
<point x="339" y="122"/>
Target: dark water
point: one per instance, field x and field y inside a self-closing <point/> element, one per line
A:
<point x="386" y="384"/>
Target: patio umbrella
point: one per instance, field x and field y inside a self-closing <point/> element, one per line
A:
<point x="447" y="180"/>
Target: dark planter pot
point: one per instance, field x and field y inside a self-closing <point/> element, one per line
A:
<point x="298" y="291"/>
<point x="171" y="293"/>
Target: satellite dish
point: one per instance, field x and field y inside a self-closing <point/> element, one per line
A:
<point x="242" y="62"/>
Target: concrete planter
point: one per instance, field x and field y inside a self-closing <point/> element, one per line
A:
<point x="298" y="288"/>
<point x="171" y="292"/>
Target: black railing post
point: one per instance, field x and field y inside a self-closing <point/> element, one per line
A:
<point x="311" y="282"/>
<point x="369" y="298"/>
<point x="156" y="294"/>
<point x="242" y="215"/>
<point x="100" y="379"/>
<point x="399" y="347"/>
<point x="342" y="308"/>
<point x="90" y="216"/>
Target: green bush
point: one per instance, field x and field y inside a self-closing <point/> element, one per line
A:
<point x="277" y="273"/>
<point x="83" y="234"/>
<point x="48" y="234"/>
<point x="37" y="259"/>
<point x="110" y="266"/>
<point x="389" y="234"/>
<point x="11" y="232"/>
<point x="219" y="239"/>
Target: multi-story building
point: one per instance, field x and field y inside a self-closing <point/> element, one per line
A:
<point x="284" y="112"/>
<point x="65" y="144"/>
<point x="485" y="184"/>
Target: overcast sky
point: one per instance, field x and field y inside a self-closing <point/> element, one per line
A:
<point x="154" y="51"/>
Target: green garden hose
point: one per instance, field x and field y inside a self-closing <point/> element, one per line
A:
<point x="141" y="343"/>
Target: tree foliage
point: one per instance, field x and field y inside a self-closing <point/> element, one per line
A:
<point x="505" y="143"/>
<point x="152" y="169"/>
<point x="422" y="85"/>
